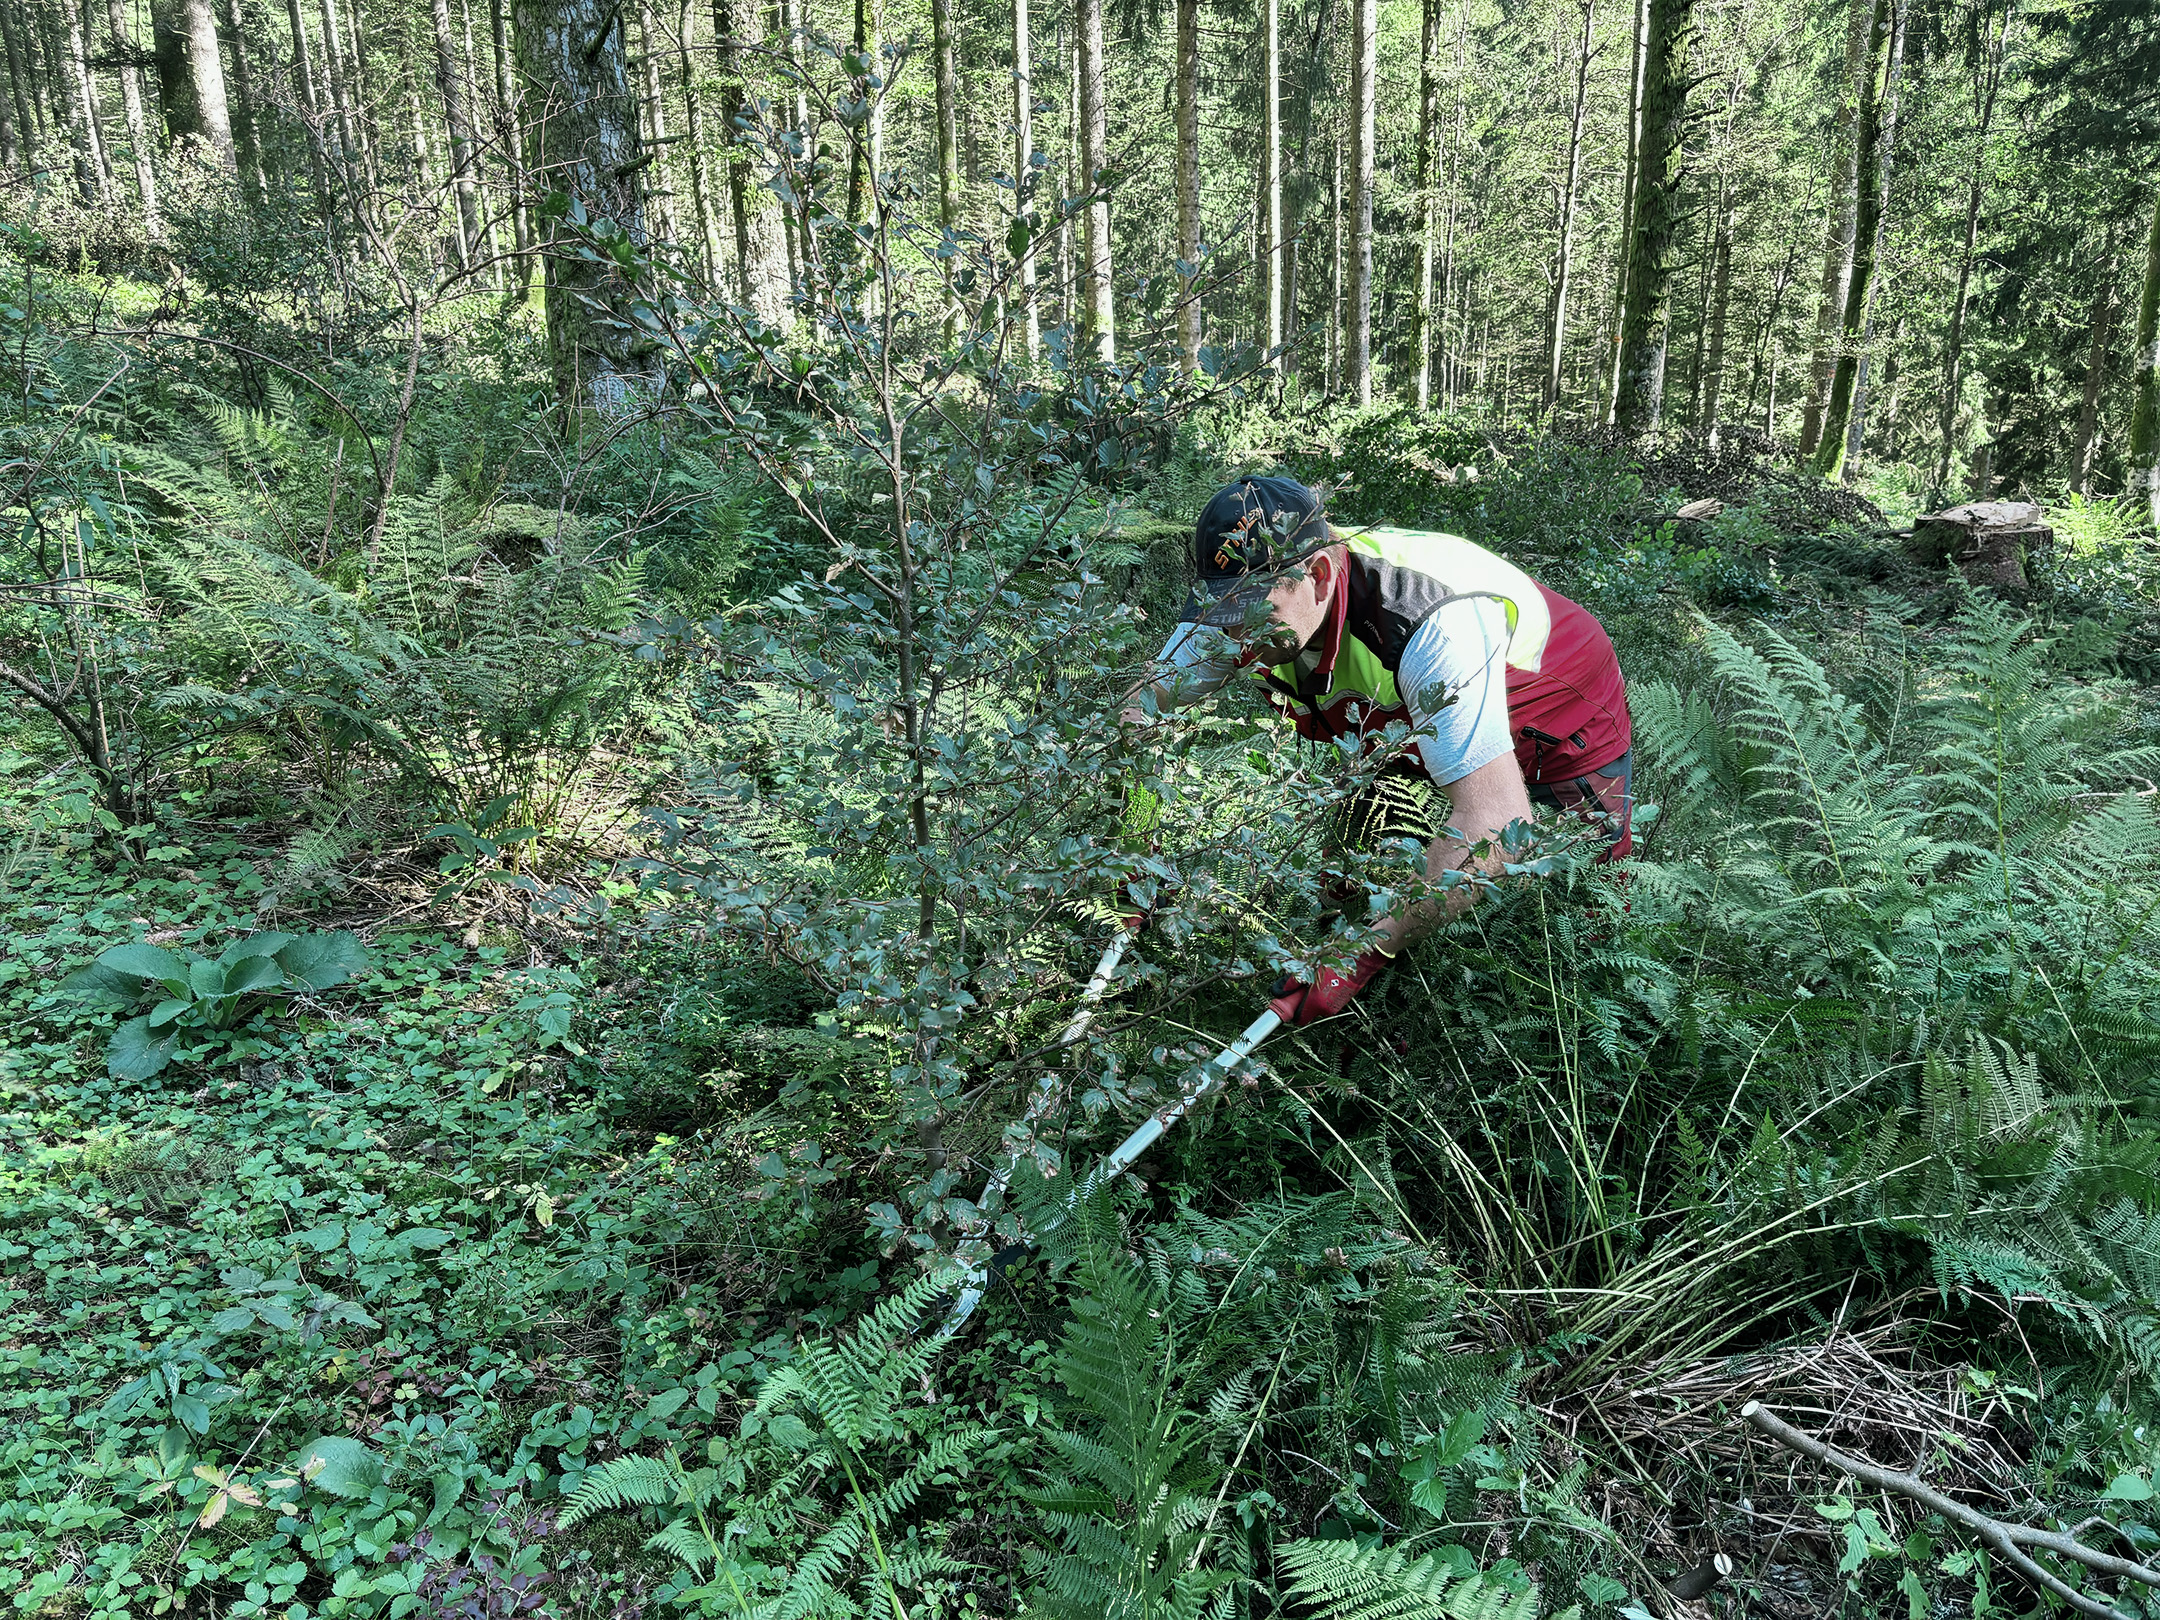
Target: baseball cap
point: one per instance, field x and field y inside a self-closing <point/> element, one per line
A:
<point x="1247" y="534"/>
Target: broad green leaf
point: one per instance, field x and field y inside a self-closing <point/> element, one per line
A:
<point x="205" y="978"/>
<point x="137" y="1052"/>
<point x="145" y="962"/>
<point x="166" y="1011"/>
<point x="252" y="973"/>
<point x="234" y="1319"/>
<point x="339" y="1464"/>
<point x="103" y="985"/>
<point x="667" y="1403"/>
<point x="265" y="944"/>
<point x="192" y="1411"/>
<point x="2128" y="1488"/>
<point x="322" y="960"/>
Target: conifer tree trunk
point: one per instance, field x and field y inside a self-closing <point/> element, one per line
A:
<point x="1335" y="269"/>
<point x="351" y="160"/>
<point x="11" y="149"/>
<point x="449" y="81"/>
<point x="1187" y="93"/>
<point x="701" y="188"/>
<point x="586" y="145"/>
<point x="191" y="76"/>
<point x="1639" y="40"/>
<point x="760" y="235"/>
<point x="1428" y="199"/>
<point x="245" y="106"/>
<point x="363" y="98"/>
<point x="947" y="77"/>
<point x="76" y="97"/>
<point x="19" y="92"/>
<point x="1068" y="258"/>
<point x="2100" y="325"/>
<point x="1878" y="135"/>
<point x="862" y="148"/>
<point x="1024" y="170"/>
<point x="651" y="47"/>
<point x="1273" y="256"/>
<point x="1098" y="319"/>
<point x="1657" y="213"/>
<point x="511" y="125"/>
<point x="1564" y="256"/>
<point x="1364" y="132"/>
<point x="1975" y="191"/>
<point x="2145" y="379"/>
<point x="1839" y="234"/>
<point x="1713" y="388"/>
<point x="131" y="105"/>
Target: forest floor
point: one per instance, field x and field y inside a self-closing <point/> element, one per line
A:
<point x="531" y="1194"/>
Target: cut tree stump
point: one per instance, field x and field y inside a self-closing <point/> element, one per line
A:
<point x="1988" y="540"/>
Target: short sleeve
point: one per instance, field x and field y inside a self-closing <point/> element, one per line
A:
<point x="1196" y="660"/>
<point x="1459" y="653"/>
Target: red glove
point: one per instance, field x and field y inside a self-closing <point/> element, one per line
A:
<point x="1297" y="1003"/>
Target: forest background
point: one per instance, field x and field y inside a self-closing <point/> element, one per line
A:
<point x="568" y="565"/>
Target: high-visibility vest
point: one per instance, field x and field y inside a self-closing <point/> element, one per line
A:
<point x="1567" y="705"/>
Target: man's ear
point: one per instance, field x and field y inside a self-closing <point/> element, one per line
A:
<point x="1325" y="573"/>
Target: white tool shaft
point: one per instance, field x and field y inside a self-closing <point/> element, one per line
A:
<point x="1208" y="1079"/>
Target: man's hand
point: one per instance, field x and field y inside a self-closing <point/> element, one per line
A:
<point x="1297" y="1003"/>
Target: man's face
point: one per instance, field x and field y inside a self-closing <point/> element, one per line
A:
<point x="1297" y="608"/>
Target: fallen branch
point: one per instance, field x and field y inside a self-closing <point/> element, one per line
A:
<point x="2007" y="1540"/>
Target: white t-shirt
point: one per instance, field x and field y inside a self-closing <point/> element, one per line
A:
<point x="1459" y="652"/>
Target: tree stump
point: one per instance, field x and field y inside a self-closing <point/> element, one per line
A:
<point x="1988" y="540"/>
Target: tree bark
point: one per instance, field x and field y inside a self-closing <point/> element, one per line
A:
<point x="1273" y="280"/>
<point x="947" y="78"/>
<point x="701" y="188"/>
<point x="586" y="145"/>
<point x="11" y="147"/>
<point x="351" y="163"/>
<point x="357" y="89"/>
<point x="191" y="76"/>
<point x="81" y="115"/>
<point x="862" y="154"/>
<point x="131" y="104"/>
<point x="2145" y="380"/>
<point x="1839" y="235"/>
<point x="27" y="121"/>
<point x="1428" y="199"/>
<point x="1713" y="388"/>
<point x="1364" y="129"/>
<point x="1564" y="259"/>
<point x="651" y="47"/>
<point x="1187" y="91"/>
<point x="2101" y="324"/>
<point x="760" y="234"/>
<point x="246" y="106"/>
<point x="1878" y="136"/>
<point x="449" y="80"/>
<point x="1628" y="187"/>
<point x="1643" y="329"/>
<point x="1024" y="171"/>
<point x="1975" y="193"/>
<point x="308" y="93"/>
<point x="1098" y="318"/>
<point x="1335" y="267"/>
<point x="510" y="124"/>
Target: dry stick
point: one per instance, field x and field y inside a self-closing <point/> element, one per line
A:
<point x="2006" y="1539"/>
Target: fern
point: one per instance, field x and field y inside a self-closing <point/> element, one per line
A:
<point x="830" y="1443"/>
<point x="1344" y="1581"/>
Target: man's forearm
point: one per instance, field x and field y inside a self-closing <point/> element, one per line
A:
<point x="1445" y="854"/>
